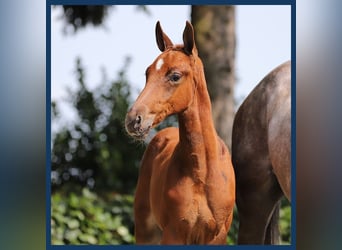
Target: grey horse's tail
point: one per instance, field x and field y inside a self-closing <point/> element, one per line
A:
<point x="272" y="231"/>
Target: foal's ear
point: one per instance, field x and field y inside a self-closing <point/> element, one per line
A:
<point x="163" y="41"/>
<point x="188" y="38"/>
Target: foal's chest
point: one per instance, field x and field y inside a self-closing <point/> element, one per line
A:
<point x="190" y="212"/>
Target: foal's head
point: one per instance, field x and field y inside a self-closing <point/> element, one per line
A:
<point x="170" y="83"/>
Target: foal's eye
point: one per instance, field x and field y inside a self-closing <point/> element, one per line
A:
<point x="174" y="77"/>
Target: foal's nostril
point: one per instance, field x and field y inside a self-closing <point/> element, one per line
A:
<point x="138" y="119"/>
<point x="137" y="122"/>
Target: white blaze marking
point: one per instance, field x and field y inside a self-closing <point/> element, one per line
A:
<point x="159" y="64"/>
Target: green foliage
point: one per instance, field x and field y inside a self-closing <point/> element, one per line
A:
<point x="88" y="218"/>
<point x="92" y="155"/>
<point x="78" y="17"/>
<point x="285" y="222"/>
<point x="85" y="217"/>
<point x="95" y="151"/>
<point x="234" y="229"/>
<point x="284" y="225"/>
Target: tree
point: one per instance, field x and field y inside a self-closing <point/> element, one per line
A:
<point x="215" y="39"/>
<point x="79" y="16"/>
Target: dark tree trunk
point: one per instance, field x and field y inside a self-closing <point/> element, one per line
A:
<point x="215" y="40"/>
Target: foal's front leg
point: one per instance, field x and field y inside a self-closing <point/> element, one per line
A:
<point x="170" y="237"/>
<point x="146" y="228"/>
<point x="147" y="232"/>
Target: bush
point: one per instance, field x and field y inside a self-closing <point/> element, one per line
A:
<point x="284" y="225"/>
<point x="89" y="218"/>
<point x="285" y="222"/>
<point x="234" y="229"/>
<point x="94" y="150"/>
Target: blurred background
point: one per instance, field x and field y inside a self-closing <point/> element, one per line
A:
<point x="98" y="58"/>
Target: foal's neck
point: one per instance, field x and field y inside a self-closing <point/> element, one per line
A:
<point x="198" y="137"/>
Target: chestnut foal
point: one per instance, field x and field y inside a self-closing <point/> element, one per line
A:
<point x="186" y="187"/>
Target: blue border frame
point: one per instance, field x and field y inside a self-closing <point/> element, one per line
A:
<point x="293" y="125"/>
<point x="49" y="3"/>
<point x="48" y="125"/>
<point x="174" y="2"/>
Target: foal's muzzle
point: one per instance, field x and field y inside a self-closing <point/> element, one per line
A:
<point x="138" y="124"/>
